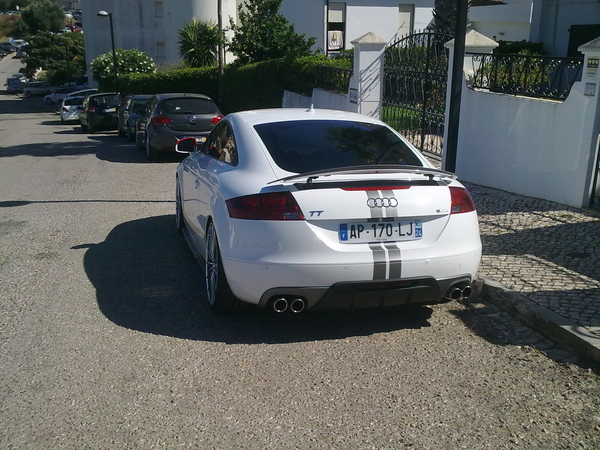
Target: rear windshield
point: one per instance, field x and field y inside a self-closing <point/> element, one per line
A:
<point x="309" y="145"/>
<point x="140" y="102"/>
<point x="188" y="106"/>
<point x="73" y="101"/>
<point x="105" y="101"/>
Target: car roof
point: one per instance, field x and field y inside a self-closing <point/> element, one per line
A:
<point x="101" y="94"/>
<point x="181" y="95"/>
<point x="255" y="117"/>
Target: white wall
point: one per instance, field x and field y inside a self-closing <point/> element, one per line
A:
<point x="539" y="148"/>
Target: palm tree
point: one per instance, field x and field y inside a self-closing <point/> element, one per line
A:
<point x="199" y="43"/>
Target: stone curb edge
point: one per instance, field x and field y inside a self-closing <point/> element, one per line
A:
<point x="564" y="333"/>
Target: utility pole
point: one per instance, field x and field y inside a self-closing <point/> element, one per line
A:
<point x="456" y="87"/>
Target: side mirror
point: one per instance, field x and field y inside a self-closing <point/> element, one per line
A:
<point x="186" y="145"/>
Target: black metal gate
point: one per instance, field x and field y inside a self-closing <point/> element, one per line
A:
<point x="414" y="89"/>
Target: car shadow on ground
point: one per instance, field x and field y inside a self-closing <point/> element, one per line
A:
<point x="147" y="279"/>
<point x="106" y="146"/>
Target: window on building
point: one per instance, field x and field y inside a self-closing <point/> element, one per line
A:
<point x="158" y="9"/>
<point x="406" y="20"/>
<point x="161" y="51"/>
<point x="336" y="26"/>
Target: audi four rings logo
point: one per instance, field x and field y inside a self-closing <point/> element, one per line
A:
<point x="385" y="202"/>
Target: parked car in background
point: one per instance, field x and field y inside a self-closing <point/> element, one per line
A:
<point x="81" y="92"/>
<point x="14" y="85"/>
<point x="129" y="113"/>
<point x="297" y="210"/>
<point x="170" y="117"/>
<point x="57" y="95"/>
<point x="32" y="88"/>
<point x="70" y="109"/>
<point x="100" y="111"/>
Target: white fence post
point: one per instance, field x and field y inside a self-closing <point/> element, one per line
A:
<point x="365" y="91"/>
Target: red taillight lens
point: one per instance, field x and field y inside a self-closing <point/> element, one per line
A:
<point x="461" y="201"/>
<point x="92" y="109"/>
<point x="215" y="120"/>
<point x="161" y="120"/>
<point x="271" y="206"/>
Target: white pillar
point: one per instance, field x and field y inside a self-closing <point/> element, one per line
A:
<point x="365" y="91"/>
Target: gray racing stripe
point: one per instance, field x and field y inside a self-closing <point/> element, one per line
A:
<point x="379" y="261"/>
<point x="395" y="260"/>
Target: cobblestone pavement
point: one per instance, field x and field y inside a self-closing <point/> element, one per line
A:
<point x="548" y="252"/>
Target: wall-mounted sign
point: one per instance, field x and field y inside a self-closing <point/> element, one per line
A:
<point x="590" y="89"/>
<point x="353" y="95"/>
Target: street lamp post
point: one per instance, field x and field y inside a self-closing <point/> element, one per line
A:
<point x="66" y="45"/>
<point x="112" y="40"/>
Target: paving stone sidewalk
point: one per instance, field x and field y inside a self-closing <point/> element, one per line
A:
<point x="547" y="252"/>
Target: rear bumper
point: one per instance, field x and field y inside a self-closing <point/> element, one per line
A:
<point x="368" y="294"/>
<point x="164" y="142"/>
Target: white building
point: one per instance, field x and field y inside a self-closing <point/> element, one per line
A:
<point x="150" y="26"/>
<point x="508" y="20"/>
<point x="336" y="24"/>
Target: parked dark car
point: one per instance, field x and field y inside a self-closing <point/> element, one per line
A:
<point x="129" y="113"/>
<point x="171" y="117"/>
<point x="100" y="111"/>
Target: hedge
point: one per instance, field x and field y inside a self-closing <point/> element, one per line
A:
<point x="251" y="86"/>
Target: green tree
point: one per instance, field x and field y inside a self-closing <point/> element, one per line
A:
<point x="63" y="56"/>
<point x="43" y="15"/>
<point x="265" y="34"/>
<point x="199" y="43"/>
<point x="128" y="61"/>
<point x="444" y="16"/>
<point x="12" y="4"/>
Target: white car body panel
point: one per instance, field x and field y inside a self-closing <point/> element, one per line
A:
<point x="307" y="255"/>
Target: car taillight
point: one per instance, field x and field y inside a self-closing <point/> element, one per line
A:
<point x="269" y="206"/>
<point x="461" y="201"/>
<point x="92" y="109"/>
<point x="161" y="120"/>
<point x="215" y="120"/>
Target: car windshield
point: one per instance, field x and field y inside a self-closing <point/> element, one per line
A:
<point x="74" y="101"/>
<point x="106" y="101"/>
<point x="188" y="106"/>
<point x="309" y="145"/>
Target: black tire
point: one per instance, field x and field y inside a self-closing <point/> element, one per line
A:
<point x="48" y="101"/>
<point x="91" y="128"/>
<point x="120" y="130"/>
<point x="138" y="143"/>
<point x="130" y="135"/>
<point x="151" y="152"/>
<point x="28" y="94"/>
<point x="178" y="208"/>
<point x="84" y="127"/>
<point x="218" y="292"/>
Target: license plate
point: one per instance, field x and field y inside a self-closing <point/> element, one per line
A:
<point x="110" y="110"/>
<point x="362" y="232"/>
<point x="199" y="139"/>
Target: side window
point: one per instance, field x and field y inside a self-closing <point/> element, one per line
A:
<point x="221" y="144"/>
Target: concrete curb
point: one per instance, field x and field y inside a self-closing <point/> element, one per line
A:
<point x="564" y="333"/>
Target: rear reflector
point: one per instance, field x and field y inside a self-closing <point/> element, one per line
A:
<point x="270" y="206"/>
<point x="461" y="201"/>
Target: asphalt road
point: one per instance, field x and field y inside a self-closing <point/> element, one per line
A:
<point x="106" y="341"/>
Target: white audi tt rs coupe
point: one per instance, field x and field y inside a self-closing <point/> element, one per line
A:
<point x="297" y="209"/>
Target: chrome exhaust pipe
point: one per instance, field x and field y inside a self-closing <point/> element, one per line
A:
<point x="297" y="305"/>
<point x="280" y="305"/>
<point x="454" y="293"/>
<point x="467" y="291"/>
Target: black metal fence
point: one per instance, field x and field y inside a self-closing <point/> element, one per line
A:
<point x="528" y="75"/>
<point x="333" y="79"/>
<point x="414" y="91"/>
